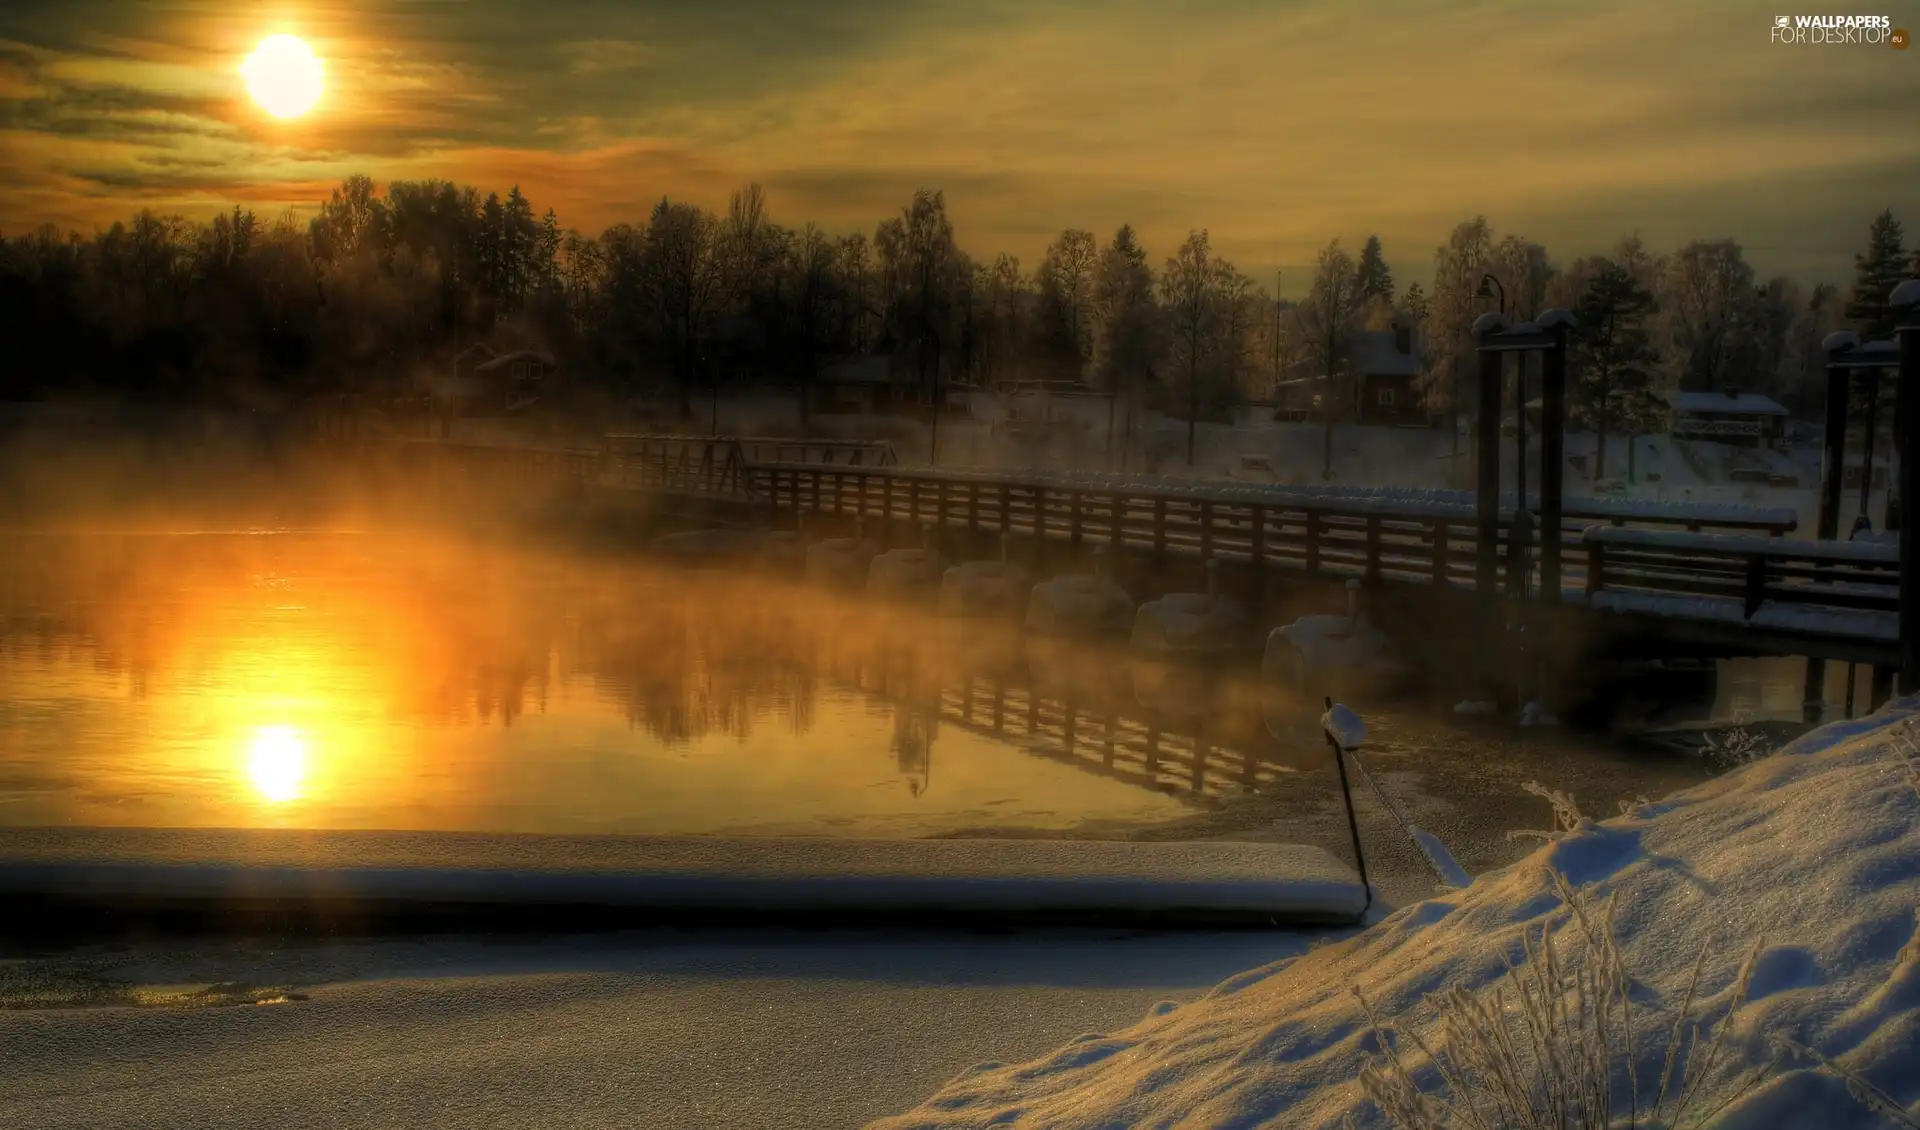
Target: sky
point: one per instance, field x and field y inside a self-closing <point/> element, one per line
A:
<point x="1275" y="124"/>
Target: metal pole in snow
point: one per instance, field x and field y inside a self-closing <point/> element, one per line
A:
<point x="1353" y="821"/>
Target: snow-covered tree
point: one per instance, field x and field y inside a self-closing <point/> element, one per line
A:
<point x="1876" y="272"/>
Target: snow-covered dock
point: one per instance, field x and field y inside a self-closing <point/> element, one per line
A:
<point x="1028" y="878"/>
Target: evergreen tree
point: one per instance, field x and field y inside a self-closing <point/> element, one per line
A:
<point x="1876" y="273"/>
<point x="1374" y="279"/>
<point x="1613" y="358"/>
<point x="1414" y="306"/>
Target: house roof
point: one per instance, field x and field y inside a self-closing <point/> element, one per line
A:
<point x="506" y="360"/>
<point x="1376" y="353"/>
<point x="1738" y="404"/>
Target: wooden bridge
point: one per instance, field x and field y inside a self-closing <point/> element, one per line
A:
<point x="1724" y="575"/>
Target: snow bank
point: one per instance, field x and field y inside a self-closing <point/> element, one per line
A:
<point x="1756" y="855"/>
<point x="1344" y="726"/>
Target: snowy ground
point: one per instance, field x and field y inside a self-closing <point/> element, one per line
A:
<point x="654" y="1031"/>
<point x="1813" y="853"/>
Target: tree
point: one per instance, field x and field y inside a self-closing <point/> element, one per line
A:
<point x="1065" y="281"/>
<point x="1190" y="296"/>
<point x="1126" y="325"/>
<point x="917" y="261"/>
<point x="1374" y="279"/>
<point x="1876" y="272"/>
<point x="1458" y="265"/>
<point x="680" y="277"/>
<point x="1612" y="356"/>
<point x="1330" y="315"/>
<point x="1709" y="294"/>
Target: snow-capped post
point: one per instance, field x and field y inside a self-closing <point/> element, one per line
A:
<point x="1487" y="443"/>
<point x="1906" y="444"/>
<point x="1840" y="346"/>
<point x="1553" y="431"/>
<point x="1345" y="731"/>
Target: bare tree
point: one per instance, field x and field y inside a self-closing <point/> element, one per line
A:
<point x="1708" y="290"/>
<point x="1065" y="281"/>
<point x="681" y="277"/>
<point x="1126" y="327"/>
<point x="1191" y="303"/>
<point x="1331" y="315"/>
<point x="1458" y="265"/>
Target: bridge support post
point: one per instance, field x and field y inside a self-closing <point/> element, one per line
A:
<point x="1906" y="440"/>
<point x="1553" y="438"/>
<point x="1487" y="452"/>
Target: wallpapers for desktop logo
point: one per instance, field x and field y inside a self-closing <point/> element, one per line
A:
<point x="1870" y="31"/>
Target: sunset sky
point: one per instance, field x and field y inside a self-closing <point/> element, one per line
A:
<point x="1275" y="124"/>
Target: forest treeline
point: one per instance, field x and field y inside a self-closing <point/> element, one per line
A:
<point x="379" y="287"/>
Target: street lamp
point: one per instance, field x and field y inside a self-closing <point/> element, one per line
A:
<point x="1490" y="287"/>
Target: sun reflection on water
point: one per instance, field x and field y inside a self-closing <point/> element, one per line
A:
<point x="277" y="763"/>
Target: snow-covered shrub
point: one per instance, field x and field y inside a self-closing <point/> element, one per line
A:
<point x="1737" y="746"/>
<point x="1552" y="1044"/>
<point x="1907" y="746"/>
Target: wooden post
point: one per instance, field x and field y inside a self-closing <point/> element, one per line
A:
<point x="1442" y="536"/>
<point x="1257" y="535"/>
<point x="1487" y="481"/>
<point x="1596" y="568"/>
<point x="1313" y="543"/>
<point x="1832" y="465"/>
<point x="1756" y="586"/>
<point x="1906" y="430"/>
<point x="1373" y="548"/>
<point x="1006" y="509"/>
<point x="1074" y="502"/>
<point x="973" y="508"/>
<point x="862" y="512"/>
<point x="1553" y="434"/>
<point x="1206" y="530"/>
<point x="1159" y="530"/>
<point x="940" y="504"/>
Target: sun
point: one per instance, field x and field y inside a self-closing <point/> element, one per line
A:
<point x="283" y="75"/>
<point x="277" y="762"/>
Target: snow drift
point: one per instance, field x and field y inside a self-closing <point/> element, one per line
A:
<point x="1814" y="853"/>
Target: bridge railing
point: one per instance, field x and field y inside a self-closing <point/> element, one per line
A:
<point x="1830" y="588"/>
<point x="1370" y="539"/>
<point x="846" y="452"/>
<point x="706" y="465"/>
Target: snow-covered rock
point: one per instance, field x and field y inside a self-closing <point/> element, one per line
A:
<point x="1535" y="713"/>
<point x="1345" y="652"/>
<point x="785" y="551"/>
<point x="1191" y="623"/>
<point x="985" y="588"/>
<point x="1755" y="858"/>
<point x="841" y="562"/>
<point x="1079" y="605"/>
<point x="906" y="573"/>
<point x="710" y="547"/>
